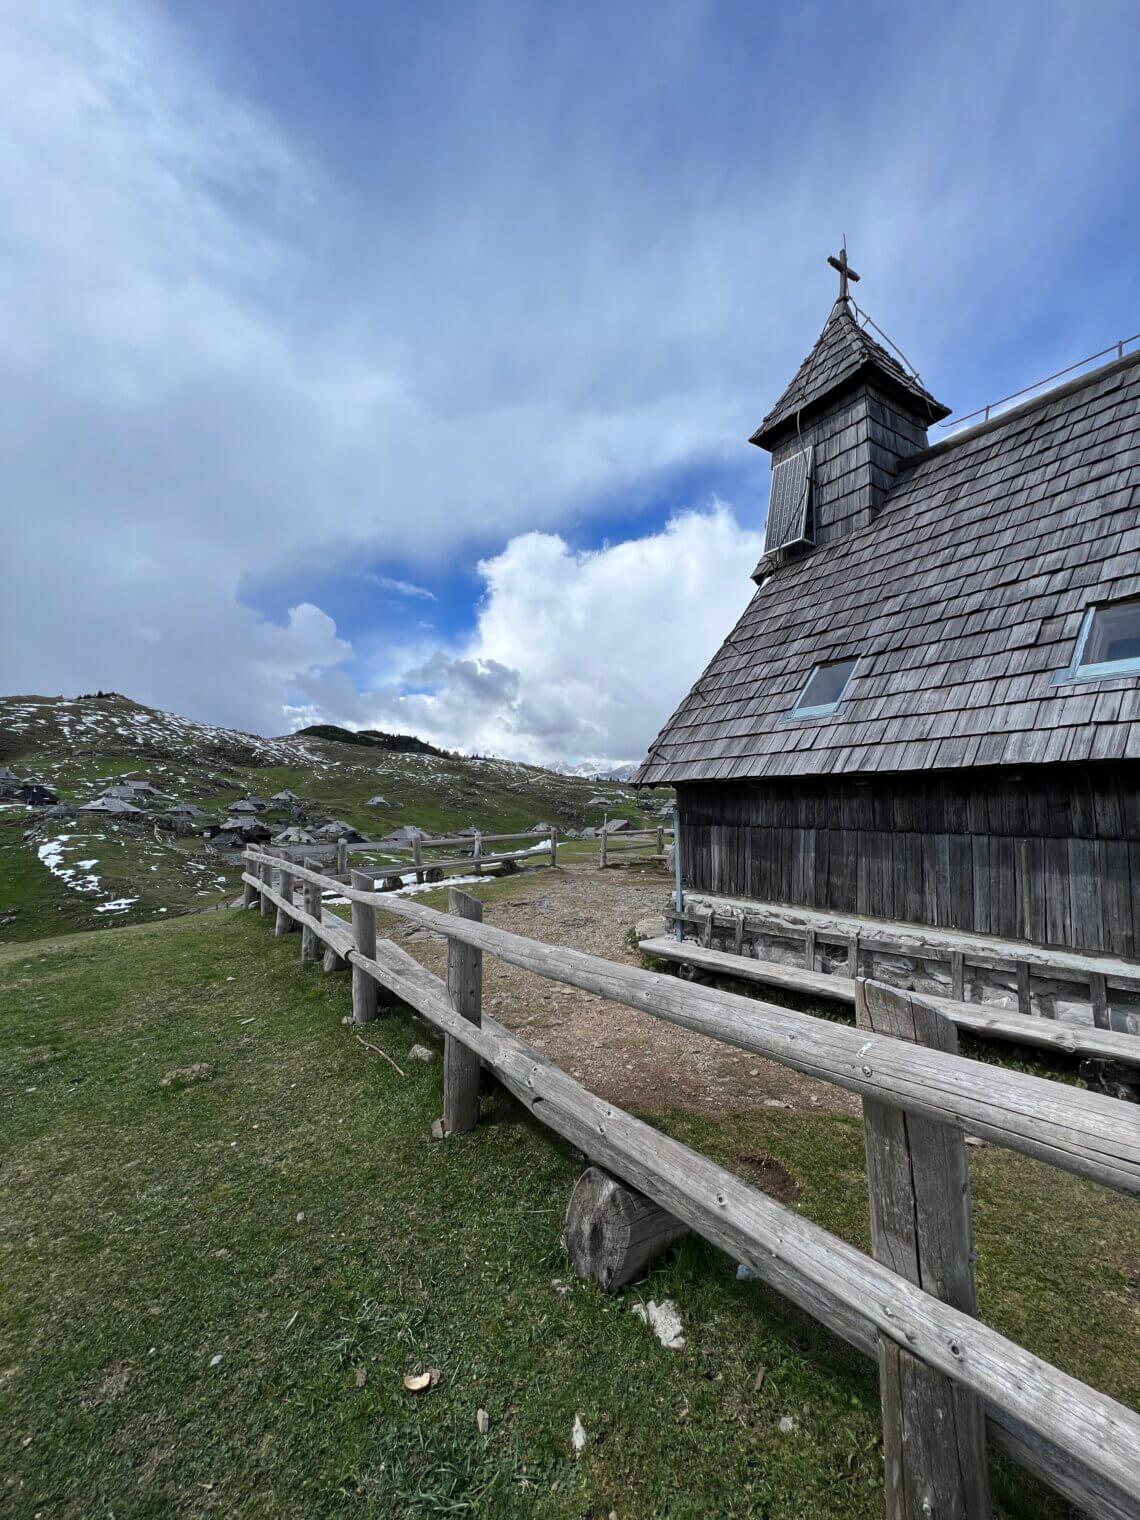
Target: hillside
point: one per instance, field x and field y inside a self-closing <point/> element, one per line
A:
<point x="61" y="870"/>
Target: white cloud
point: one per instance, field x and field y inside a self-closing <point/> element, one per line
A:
<point x="227" y="355"/>
<point x="400" y="588"/>
<point x="578" y="656"/>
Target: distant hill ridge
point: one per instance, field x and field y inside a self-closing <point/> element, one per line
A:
<point x="374" y="738"/>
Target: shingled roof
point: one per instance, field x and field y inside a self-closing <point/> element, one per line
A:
<point x="961" y="599"/>
<point x="844" y="353"/>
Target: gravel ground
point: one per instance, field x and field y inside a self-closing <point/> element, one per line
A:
<point x="623" y="1055"/>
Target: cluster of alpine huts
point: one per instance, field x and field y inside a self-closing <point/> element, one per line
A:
<point x="29" y="790"/>
<point x="246" y="820"/>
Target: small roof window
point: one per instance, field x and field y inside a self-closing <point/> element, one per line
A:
<point x="1108" y="643"/>
<point x="824" y="690"/>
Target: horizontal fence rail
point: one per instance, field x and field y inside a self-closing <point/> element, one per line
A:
<point x="632" y="844"/>
<point x="1082" y="1442"/>
<point x="979" y="1018"/>
<point x="1080" y="1132"/>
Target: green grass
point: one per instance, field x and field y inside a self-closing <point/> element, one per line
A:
<point x="148" y="1229"/>
<point x="155" y="876"/>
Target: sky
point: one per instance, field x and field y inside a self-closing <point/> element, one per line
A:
<point x="394" y="365"/>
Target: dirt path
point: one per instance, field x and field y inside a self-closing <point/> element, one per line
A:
<point x="620" y="1053"/>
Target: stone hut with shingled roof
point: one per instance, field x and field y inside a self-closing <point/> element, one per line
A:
<point x="929" y="711"/>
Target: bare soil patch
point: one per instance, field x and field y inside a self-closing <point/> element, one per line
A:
<point x="622" y="1054"/>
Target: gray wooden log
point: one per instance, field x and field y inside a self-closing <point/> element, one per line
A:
<point x="418" y="857"/>
<point x="264" y="872"/>
<point x="934" y="1447"/>
<point x="1098" y="996"/>
<point x="465" y="989"/>
<point x="1081" y="1132"/>
<point x="986" y="1019"/>
<point x="364" y="999"/>
<point x="1084" y="1443"/>
<point x="613" y="1233"/>
<point x="249" y="896"/>
<point x="342" y="857"/>
<point x="602" y="847"/>
<point x="554" y="847"/>
<point x="333" y="962"/>
<point x="285" y="885"/>
<point x="310" y="944"/>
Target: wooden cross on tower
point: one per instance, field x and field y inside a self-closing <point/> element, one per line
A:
<point x="845" y="271"/>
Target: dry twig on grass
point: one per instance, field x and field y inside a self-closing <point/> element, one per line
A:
<point x="379" y="1052"/>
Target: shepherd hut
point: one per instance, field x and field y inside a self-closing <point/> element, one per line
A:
<point x="929" y="711"/>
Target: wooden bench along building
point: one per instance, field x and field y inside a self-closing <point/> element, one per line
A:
<point x="930" y="709"/>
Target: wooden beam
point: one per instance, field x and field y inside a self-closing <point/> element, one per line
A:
<point x="986" y="1019"/>
<point x="285" y="886"/>
<point x="918" y="1179"/>
<point x="310" y="944"/>
<point x="899" y="938"/>
<point x="364" y="999"/>
<point x="1098" y="994"/>
<point x="465" y="989"/>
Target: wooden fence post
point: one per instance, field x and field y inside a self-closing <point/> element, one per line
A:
<point x="465" y="989"/>
<point x="603" y="846"/>
<point x="265" y="873"/>
<point x="342" y="857"/>
<point x="310" y="944"/>
<point x="250" y="894"/>
<point x="365" y="999"/>
<point x="554" y="847"/>
<point x="418" y="858"/>
<point x="284" y="924"/>
<point x="934" y="1447"/>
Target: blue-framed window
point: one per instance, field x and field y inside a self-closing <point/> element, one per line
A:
<point x="1108" y="643"/>
<point x="824" y="689"/>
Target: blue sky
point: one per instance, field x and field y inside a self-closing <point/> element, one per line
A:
<point x="394" y="364"/>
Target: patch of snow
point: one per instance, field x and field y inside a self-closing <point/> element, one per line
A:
<point x="117" y="905"/>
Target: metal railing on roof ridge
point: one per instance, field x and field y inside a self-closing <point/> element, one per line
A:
<point x="987" y="411"/>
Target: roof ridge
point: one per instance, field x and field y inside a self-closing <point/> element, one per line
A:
<point x="1034" y="403"/>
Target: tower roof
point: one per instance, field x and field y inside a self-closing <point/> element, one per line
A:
<point x="844" y="353"/>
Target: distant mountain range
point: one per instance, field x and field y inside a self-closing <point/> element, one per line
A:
<point x="591" y="770"/>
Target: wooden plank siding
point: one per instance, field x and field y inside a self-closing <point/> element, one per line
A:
<point x="1050" y="855"/>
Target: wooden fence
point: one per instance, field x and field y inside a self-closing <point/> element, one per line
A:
<point x="632" y="845"/>
<point x="949" y="1383"/>
<point x="425" y="865"/>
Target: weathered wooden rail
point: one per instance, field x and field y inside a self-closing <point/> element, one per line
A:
<point x="979" y="1018"/>
<point x="632" y="845"/>
<point x="949" y="1382"/>
<point x="428" y="867"/>
<point x="945" y="961"/>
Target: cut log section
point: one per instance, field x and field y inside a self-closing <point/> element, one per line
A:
<point x="613" y="1233"/>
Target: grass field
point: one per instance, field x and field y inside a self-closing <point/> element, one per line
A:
<point x="212" y="1290"/>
